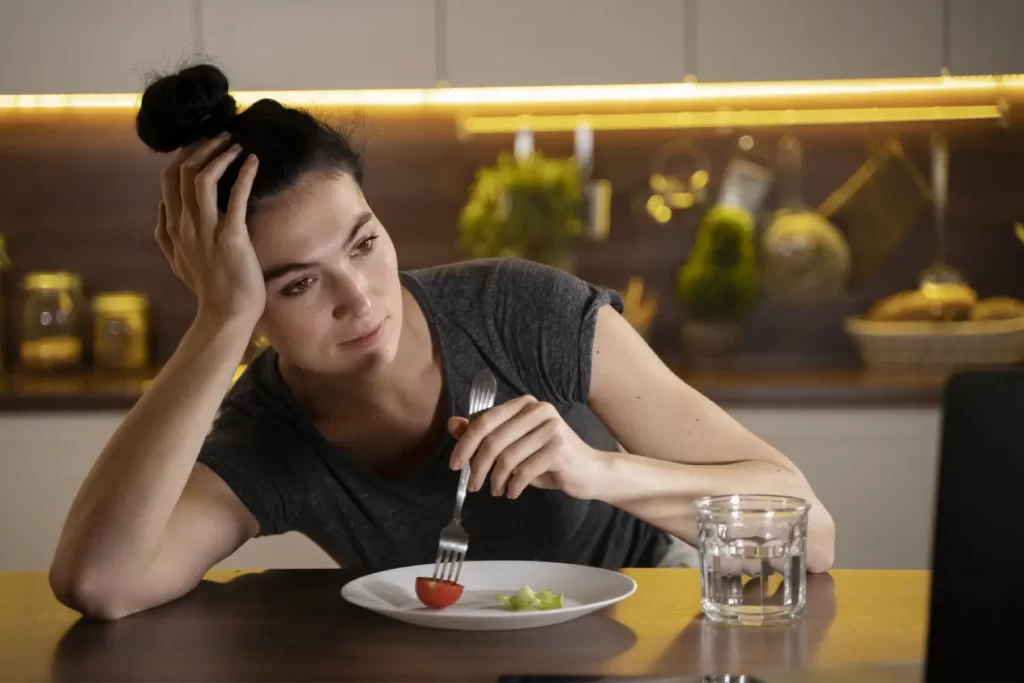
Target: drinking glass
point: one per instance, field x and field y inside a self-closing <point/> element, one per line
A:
<point x="753" y="557"/>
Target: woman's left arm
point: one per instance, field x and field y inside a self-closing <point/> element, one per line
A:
<point x="680" y="445"/>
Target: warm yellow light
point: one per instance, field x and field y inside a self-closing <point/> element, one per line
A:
<point x="681" y="200"/>
<point x="727" y="119"/>
<point x="655" y="202"/>
<point x="571" y="94"/>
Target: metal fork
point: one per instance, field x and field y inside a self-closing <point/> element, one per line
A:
<point x="451" y="549"/>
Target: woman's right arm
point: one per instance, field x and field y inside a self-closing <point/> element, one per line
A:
<point x="148" y="521"/>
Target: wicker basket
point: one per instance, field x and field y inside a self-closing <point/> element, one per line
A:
<point x="937" y="345"/>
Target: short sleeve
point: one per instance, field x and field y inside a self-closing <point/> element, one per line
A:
<point x="545" y="319"/>
<point x="257" y="468"/>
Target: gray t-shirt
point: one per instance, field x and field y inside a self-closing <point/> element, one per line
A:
<point x="533" y="326"/>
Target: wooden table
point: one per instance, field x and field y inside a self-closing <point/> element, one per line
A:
<point x="292" y="624"/>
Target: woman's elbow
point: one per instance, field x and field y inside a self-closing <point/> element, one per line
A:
<point x="821" y="542"/>
<point x="87" y="595"/>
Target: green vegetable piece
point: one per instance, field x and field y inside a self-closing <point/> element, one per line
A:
<point x="527" y="599"/>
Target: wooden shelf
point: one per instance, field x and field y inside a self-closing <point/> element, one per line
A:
<point x="851" y="386"/>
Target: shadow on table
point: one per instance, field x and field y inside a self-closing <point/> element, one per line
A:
<point x="289" y="624"/>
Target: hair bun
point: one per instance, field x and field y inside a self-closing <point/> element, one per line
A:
<point x="181" y="108"/>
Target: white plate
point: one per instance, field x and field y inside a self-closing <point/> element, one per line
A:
<point x="392" y="593"/>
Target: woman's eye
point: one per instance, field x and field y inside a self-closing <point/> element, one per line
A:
<point x="367" y="245"/>
<point x="299" y="286"/>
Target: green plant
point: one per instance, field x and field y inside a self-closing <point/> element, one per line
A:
<point x="528" y="208"/>
<point x="719" y="281"/>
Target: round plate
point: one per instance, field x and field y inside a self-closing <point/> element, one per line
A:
<point x="584" y="590"/>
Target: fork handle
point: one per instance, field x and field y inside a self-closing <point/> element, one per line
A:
<point x="460" y="495"/>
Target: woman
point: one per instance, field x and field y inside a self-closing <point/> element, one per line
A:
<point x="351" y="427"/>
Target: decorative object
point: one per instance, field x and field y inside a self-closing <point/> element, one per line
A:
<point x="51" y="321"/>
<point x="718" y="285"/>
<point x="121" y="330"/>
<point x="805" y="258"/>
<point x="679" y="178"/>
<point x="939" y="328"/>
<point x="876" y="206"/>
<point x="639" y="307"/>
<point x="527" y="207"/>
<point x="939" y="272"/>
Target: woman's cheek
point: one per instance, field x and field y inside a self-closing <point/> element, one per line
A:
<point x="288" y="326"/>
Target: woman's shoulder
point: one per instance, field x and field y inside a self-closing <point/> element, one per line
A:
<point x="498" y="282"/>
<point x="258" y="402"/>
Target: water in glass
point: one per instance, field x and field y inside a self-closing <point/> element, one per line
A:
<point x="753" y="557"/>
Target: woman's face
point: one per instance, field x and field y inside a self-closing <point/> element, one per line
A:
<point x="334" y="300"/>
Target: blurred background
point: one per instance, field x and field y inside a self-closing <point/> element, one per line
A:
<point x="812" y="208"/>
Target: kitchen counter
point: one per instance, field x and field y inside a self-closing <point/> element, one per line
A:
<point x="79" y="392"/>
<point x="829" y="387"/>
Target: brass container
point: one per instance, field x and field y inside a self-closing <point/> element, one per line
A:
<point x="121" y="331"/>
<point x="51" y="336"/>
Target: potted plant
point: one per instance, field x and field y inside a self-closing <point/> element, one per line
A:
<point x="527" y="207"/>
<point x="718" y="285"/>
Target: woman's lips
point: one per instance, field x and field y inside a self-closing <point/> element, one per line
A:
<point x="369" y="339"/>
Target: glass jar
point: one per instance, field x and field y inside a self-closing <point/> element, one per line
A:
<point x="121" y="330"/>
<point x="50" y="324"/>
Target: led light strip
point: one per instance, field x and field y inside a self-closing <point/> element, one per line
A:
<point x="726" y="119"/>
<point x="996" y="86"/>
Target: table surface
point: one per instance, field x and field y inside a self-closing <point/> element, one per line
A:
<point x="293" y="624"/>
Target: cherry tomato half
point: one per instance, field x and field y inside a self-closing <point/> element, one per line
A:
<point x="437" y="594"/>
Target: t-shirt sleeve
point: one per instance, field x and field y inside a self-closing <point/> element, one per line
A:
<point x="257" y="468"/>
<point x="545" y="319"/>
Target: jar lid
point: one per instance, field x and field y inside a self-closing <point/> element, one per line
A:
<point x="120" y="302"/>
<point x="52" y="280"/>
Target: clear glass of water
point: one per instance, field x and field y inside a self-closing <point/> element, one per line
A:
<point x="753" y="557"/>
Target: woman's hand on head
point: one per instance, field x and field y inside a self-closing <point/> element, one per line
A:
<point x="525" y="442"/>
<point x="209" y="251"/>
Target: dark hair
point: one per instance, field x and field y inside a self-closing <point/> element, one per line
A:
<point x="192" y="104"/>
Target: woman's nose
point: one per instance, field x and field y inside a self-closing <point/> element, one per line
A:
<point x="351" y="297"/>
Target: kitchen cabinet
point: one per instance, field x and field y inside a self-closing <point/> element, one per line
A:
<point x="985" y="37"/>
<point x="322" y="44"/>
<point x="44" y="457"/>
<point x="90" y="46"/>
<point x="754" y="40"/>
<point x="558" y="42"/>
<point x="874" y="467"/>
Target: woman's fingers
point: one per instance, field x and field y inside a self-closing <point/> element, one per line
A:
<point x="170" y="187"/>
<point x="486" y="435"/>
<point x="529" y="471"/>
<point x="162" y="238"/>
<point x="512" y="457"/>
<point x="235" y="218"/>
<point x="497" y="444"/>
<point x="482" y="425"/>
<point x="206" y="191"/>
<point x="191" y="168"/>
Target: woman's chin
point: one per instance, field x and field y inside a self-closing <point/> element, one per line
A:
<point x="356" y="360"/>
